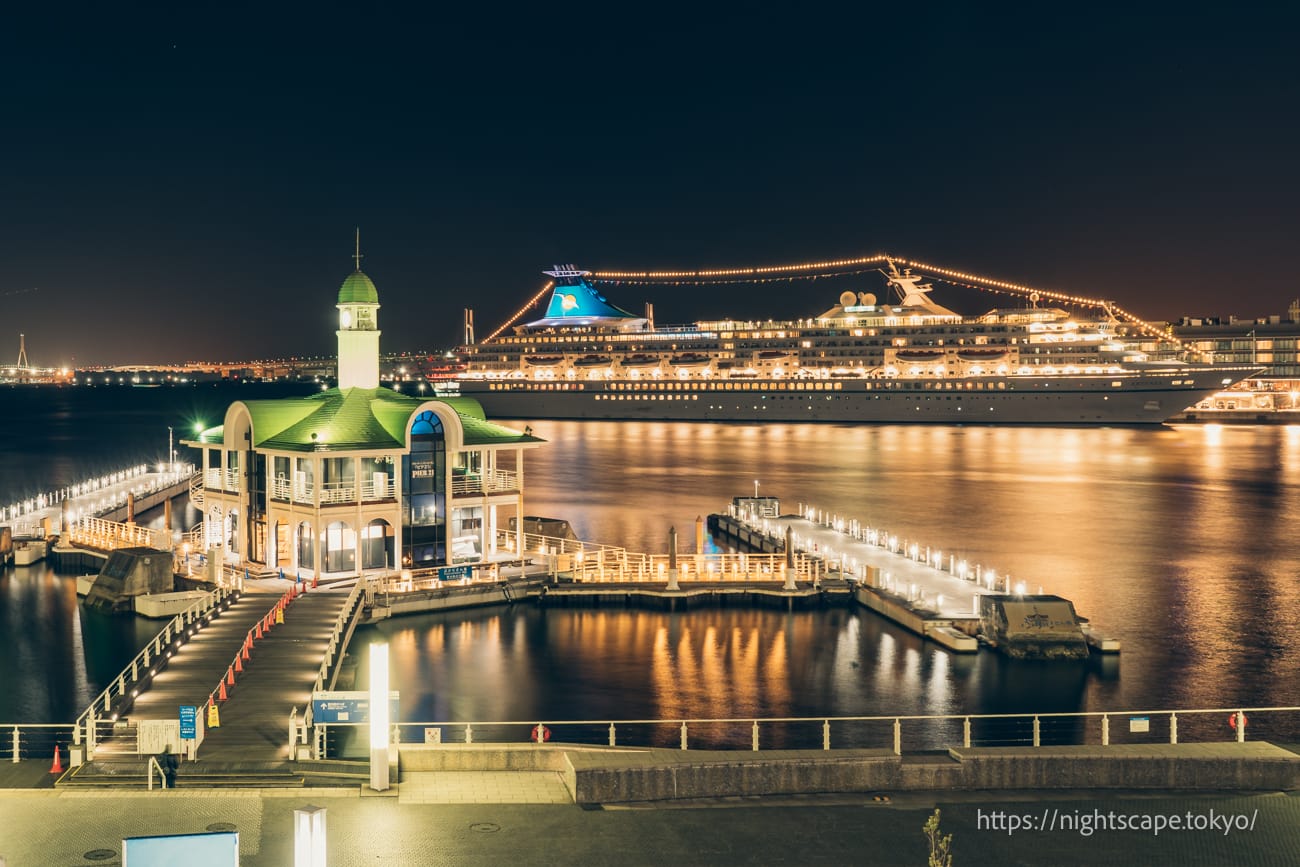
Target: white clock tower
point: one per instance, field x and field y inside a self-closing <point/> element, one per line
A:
<point x="358" y="329"/>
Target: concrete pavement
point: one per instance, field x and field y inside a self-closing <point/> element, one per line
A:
<point x="46" y="827"/>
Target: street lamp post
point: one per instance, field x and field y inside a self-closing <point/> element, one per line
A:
<point x="171" y="450"/>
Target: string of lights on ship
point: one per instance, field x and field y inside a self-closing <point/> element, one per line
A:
<point x="844" y="268"/>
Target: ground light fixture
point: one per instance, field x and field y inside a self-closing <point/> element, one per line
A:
<point x="309" y="837"/>
<point x="379" y="717"/>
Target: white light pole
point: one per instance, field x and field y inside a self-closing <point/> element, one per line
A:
<point x="379" y="717"/>
<point x="171" y="450"/>
<point x="755" y="489"/>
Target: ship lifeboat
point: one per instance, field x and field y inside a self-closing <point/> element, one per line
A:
<point x="919" y="354"/>
<point x="981" y="354"/>
<point x="689" y="359"/>
<point x="544" y="360"/>
<point x="592" y="361"/>
<point x="640" y="361"/>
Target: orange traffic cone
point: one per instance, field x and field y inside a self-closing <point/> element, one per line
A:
<point x="239" y="663"/>
<point x="315" y="579"/>
<point x="57" y="767"/>
<point x="245" y="655"/>
<point x="230" y="676"/>
<point x="259" y="630"/>
<point x="221" y="693"/>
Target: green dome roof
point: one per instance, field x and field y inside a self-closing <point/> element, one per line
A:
<point x="358" y="289"/>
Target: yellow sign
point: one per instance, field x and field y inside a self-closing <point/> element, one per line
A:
<point x="279" y="615"/>
<point x="214" y="719"/>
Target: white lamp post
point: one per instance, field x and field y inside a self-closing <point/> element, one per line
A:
<point x="379" y="717"/>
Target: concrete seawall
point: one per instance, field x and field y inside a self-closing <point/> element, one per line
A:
<point x="611" y="775"/>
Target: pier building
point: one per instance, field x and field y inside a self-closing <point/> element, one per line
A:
<point x="358" y="479"/>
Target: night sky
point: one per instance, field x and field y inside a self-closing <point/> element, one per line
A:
<point x="184" y="183"/>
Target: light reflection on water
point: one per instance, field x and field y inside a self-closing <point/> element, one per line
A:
<point x="1178" y="541"/>
<point x="1174" y="540"/>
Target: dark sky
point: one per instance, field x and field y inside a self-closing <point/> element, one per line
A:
<point x="183" y="183"/>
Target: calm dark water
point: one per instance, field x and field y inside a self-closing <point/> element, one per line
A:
<point x="1179" y="541"/>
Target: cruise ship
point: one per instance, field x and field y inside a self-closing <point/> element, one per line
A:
<point x="905" y="360"/>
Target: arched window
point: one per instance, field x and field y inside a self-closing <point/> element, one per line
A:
<point x="377" y="545"/>
<point x="340" y="548"/>
<point x="424" y="492"/>
<point x="306" y="558"/>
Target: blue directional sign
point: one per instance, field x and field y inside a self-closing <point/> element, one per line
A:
<point x="454" y="573"/>
<point x="347" y="708"/>
<point x="189" y="714"/>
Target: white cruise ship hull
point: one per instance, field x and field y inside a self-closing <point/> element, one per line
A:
<point x="1148" y="397"/>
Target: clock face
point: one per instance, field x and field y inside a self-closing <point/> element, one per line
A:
<point x="345" y="318"/>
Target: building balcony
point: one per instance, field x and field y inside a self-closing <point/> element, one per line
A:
<point x="491" y="482"/>
<point x="333" y="493"/>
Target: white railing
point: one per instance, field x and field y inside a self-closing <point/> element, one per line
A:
<point x="196" y="490"/>
<point x="915" y="732"/>
<point x="212" y="478"/>
<point x="379" y="490"/>
<point x="135" y="677"/>
<point x="493" y="481"/>
<point x="338" y="492"/>
<point x="111" y="535"/>
<point x="595" y="562"/>
<point x="34" y="740"/>
<point x="298" y="492"/>
<point x="339" y="637"/>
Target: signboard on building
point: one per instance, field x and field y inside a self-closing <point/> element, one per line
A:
<point x="454" y="573"/>
<point x="1139" y="723"/>
<point x="350" y="707"/>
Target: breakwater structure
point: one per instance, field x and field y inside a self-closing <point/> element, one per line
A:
<point x="940" y="596"/>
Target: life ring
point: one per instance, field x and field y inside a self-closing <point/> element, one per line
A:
<point x="1232" y="721"/>
<point x="540" y="734"/>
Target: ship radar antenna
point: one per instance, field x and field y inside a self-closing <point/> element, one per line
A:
<point x="357" y="257"/>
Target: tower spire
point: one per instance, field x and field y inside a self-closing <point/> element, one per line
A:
<point x="23" y="363"/>
<point x="356" y="257"/>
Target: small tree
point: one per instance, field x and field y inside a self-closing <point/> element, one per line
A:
<point x="940" y="844"/>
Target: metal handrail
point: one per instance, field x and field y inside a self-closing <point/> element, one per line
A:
<point x="153" y="763"/>
<point x="17" y="735"/>
<point x="350" y="608"/>
<point x="1237" y="721"/>
<point x="141" y="666"/>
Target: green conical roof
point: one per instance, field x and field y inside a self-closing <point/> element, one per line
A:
<point x="358" y="289"/>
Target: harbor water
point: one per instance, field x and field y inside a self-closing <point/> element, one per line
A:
<point x="1179" y="541"/>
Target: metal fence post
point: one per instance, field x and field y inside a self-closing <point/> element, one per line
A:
<point x="1105" y="730"/>
<point x="16" y="745"/>
<point x="965" y="733"/>
<point x="1173" y="728"/>
<point x="826" y="734"/>
<point x="898" y="737"/>
<point x="683" y="734"/>
<point x="611" y="734"/>
<point x="755" y="735"/>
<point x="1036" y="742"/>
<point x="469" y="733"/>
<point x="1241" y="727"/>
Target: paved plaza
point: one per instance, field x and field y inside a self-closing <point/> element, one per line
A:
<point x="421" y="822"/>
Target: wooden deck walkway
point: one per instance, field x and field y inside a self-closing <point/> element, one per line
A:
<point x="278" y="676"/>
